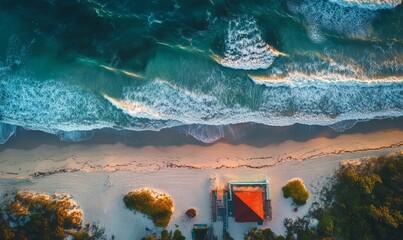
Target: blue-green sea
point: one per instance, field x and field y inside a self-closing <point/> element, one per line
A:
<point x="69" y="67"/>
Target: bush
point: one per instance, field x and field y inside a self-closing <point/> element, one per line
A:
<point x="165" y="235"/>
<point x="261" y="234"/>
<point x="366" y="200"/>
<point x="297" y="191"/>
<point x="325" y="225"/>
<point x="157" y="208"/>
<point x="178" y="235"/>
<point x="27" y="215"/>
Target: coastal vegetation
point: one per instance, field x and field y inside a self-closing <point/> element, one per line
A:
<point x="364" y="201"/>
<point x="29" y="215"/>
<point x="262" y="234"/>
<point x="297" y="191"/>
<point x="165" y="235"/>
<point x="157" y="206"/>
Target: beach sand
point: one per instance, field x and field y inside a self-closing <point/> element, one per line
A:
<point x="98" y="175"/>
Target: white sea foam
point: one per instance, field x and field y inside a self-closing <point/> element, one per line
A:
<point x="66" y="111"/>
<point x="134" y="108"/>
<point x="369" y="4"/>
<point x="245" y="48"/>
<point x="307" y="102"/>
<point x="161" y="100"/>
<point x="325" y="15"/>
<point x="50" y="106"/>
<point x="304" y="79"/>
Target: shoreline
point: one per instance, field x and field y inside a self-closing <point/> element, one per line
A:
<point x="252" y="134"/>
<point x="47" y="159"/>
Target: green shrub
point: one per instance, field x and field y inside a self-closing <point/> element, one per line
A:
<point x="297" y="191"/>
<point x="164" y="235"/>
<point x="325" y="225"/>
<point x="366" y="199"/>
<point x="260" y="234"/>
<point x="158" y="209"/>
<point x="40" y="216"/>
<point x="178" y="235"/>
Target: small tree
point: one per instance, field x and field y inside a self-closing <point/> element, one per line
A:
<point x="325" y="225"/>
<point x="260" y="234"/>
<point x="297" y="191"/>
<point x="164" y="235"/>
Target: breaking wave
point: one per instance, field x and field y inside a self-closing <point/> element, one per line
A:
<point x="309" y="102"/>
<point x="369" y="4"/>
<point x="70" y="113"/>
<point x="160" y="76"/>
<point x="324" y="15"/>
<point x="245" y="48"/>
<point x="50" y="106"/>
<point x="299" y="79"/>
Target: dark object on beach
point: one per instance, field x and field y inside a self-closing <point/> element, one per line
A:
<point x="191" y="213"/>
<point x="296" y="209"/>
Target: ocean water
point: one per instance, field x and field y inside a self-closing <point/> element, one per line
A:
<point x="68" y="67"/>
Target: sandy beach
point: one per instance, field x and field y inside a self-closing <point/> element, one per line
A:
<point x="106" y="172"/>
<point x="50" y="159"/>
<point x="100" y="98"/>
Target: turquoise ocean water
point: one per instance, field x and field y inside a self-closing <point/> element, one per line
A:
<point x="68" y="67"/>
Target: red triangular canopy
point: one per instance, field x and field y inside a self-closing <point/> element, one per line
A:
<point x="248" y="206"/>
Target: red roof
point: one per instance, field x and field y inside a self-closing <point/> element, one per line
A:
<point x="248" y="206"/>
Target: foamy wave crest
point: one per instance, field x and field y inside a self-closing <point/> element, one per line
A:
<point x="51" y="106"/>
<point x="321" y="78"/>
<point x="245" y="48"/>
<point x="369" y="4"/>
<point x="329" y="16"/>
<point x="308" y="102"/>
<point x="164" y="101"/>
<point x="134" y="108"/>
<point x="6" y="131"/>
